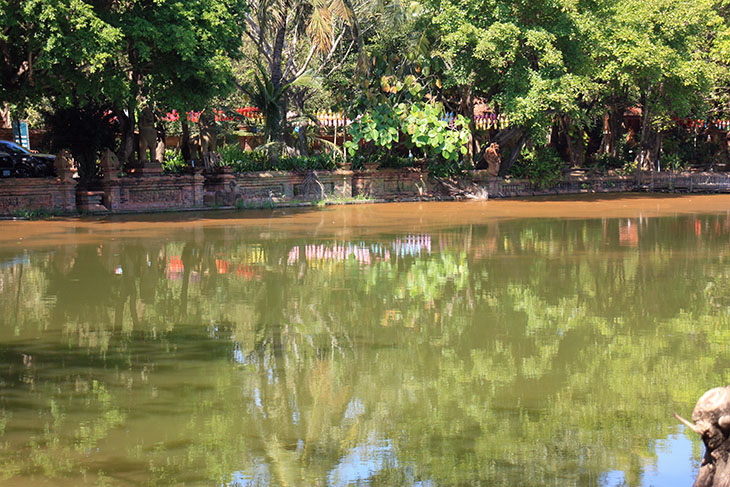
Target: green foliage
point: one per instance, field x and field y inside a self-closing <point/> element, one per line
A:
<point x="173" y="162"/>
<point x="382" y="158"/>
<point x="436" y="137"/>
<point x="444" y="169"/>
<point x="673" y="162"/>
<point x="257" y="160"/>
<point x="267" y="98"/>
<point x="380" y="126"/>
<point x="682" y="148"/>
<point x="75" y="51"/>
<point x="542" y="166"/>
<point x="32" y="215"/>
<point x="606" y="162"/>
<point x="419" y="125"/>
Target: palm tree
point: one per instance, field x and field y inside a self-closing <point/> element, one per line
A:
<point x="288" y="35"/>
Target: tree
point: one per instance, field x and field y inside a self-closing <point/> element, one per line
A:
<point x="655" y="55"/>
<point x="288" y="35"/>
<point x="526" y="59"/>
<point x="61" y="50"/>
<point x="123" y="54"/>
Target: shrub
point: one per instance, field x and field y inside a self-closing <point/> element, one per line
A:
<point x="421" y="125"/>
<point x="250" y="161"/>
<point x="173" y="162"/>
<point x="241" y="160"/>
<point x="542" y="166"/>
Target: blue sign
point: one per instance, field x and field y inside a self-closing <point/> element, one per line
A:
<point x="20" y="133"/>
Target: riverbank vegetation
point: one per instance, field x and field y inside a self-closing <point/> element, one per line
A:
<point x="515" y="88"/>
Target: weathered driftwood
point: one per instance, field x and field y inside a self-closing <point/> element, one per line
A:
<point x="711" y="417"/>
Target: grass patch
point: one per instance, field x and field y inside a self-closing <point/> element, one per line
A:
<point x="36" y="214"/>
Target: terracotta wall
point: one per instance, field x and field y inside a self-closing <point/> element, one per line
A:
<point x="37" y="194"/>
<point x="228" y="189"/>
<point x="152" y="192"/>
<point x="390" y="183"/>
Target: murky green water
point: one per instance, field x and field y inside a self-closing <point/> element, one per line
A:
<point x="475" y="351"/>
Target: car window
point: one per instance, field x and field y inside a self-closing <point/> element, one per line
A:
<point x="12" y="147"/>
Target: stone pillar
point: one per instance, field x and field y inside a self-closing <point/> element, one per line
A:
<point x="362" y="183"/>
<point x="220" y="187"/>
<point x="198" y="189"/>
<point x="90" y="201"/>
<point x="67" y="190"/>
<point x="110" y="181"/>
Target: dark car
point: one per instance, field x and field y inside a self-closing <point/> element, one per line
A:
<point x="24" y="162"/>
<point x="7" y="165"/>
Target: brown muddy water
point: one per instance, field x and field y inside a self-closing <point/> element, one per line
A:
<point x="516" y="342"/>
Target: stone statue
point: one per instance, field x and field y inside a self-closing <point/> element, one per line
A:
<point x="208" y="141"/>
<point x="494" y="161"/>
<point x="110" y="164"/>
<point x="147" y="135"/>
<point x="711" y="417"/>
<point x="64" y="164"/>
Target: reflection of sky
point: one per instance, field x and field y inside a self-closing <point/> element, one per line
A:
<point x="675" y="466"/>
<point x="258" y="475"/>
<point x="12" y="263"/>
<point x="362" y="462"/>
<point x="356" y="467"/>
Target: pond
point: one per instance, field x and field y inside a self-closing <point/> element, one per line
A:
<point x="502" y="343"/>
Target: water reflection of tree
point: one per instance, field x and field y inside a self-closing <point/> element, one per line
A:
<point x="525" y="353"/>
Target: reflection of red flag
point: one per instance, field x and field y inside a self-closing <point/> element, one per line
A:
<point x="176" y="264"/>
<point x="698" y="228"/>
<point x="628" y="234"/>
<point x="222" y="266"/>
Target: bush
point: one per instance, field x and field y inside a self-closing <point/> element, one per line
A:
<point x="444" y="169"/>
<point x="604" y="162"/>
<point x="673" y="162"/>
<point x="420" y="125"/>
<point x="250" y="161"/>
<point x="241" y="160"/>
<point x="542" y="166"/>
<point x="173" y="162"/>
<point x="384" y="158"/>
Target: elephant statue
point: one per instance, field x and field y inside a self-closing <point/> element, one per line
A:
<point x="711" y="420"/>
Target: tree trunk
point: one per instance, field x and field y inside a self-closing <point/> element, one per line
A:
<point x="651" y="141"/>
<point x="467" y="109"/>
<point x="277" y="134"/>
<point x="612" y="131"/>
<point x="575" y="147"/>
<point x="301" y="141"/>
<point x="185" y="143"/>
<point x="514" y="154"/>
